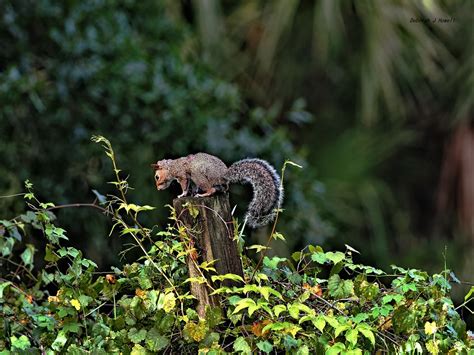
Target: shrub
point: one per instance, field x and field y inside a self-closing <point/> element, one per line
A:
<point x="313" y="302"/>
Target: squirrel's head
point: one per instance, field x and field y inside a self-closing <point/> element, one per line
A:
<point x="163" y="178"/>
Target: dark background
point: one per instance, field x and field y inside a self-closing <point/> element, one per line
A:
<point x="372" y="98"/>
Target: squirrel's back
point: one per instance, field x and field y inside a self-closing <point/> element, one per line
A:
<point x="206" y="166"/>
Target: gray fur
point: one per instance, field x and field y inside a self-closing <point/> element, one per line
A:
<point x="209" y="175"/>
<point x="266" y="185"/>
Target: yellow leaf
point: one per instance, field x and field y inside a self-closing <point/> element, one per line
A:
<point x="52" y="299"/>
<point x="430" y="328"/>
<point x="141" y="293"/>
<point x="169" y="303"/>
<point x="76" y="304"/>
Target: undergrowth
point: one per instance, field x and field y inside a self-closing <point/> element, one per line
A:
<point x="314" y="302"/>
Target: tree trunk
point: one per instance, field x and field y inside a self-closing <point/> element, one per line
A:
<point x="209" y="225"/>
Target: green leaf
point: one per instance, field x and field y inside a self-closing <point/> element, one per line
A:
<point x="213" y="316"/>
<point x="138" y="350"/>
<point x="273" y="262"/>
<point x="469" y="294"/>
<point x="278" y="309"/>
<point x="282" y="326"/>
<point x="360" y="317"/>
<point x="304" y="350"/>
<point x="319" y="257"/>
<point x="320" y="323"/>
<point x="3" y="286"/>
<point x="50" y="255"/>
<point x="265" y="346"/>
<point x="60" y="340"/>
<point x="333" y="322"/>
<point x="136" y="335"/>
<point x="335" y="257"/>
<point x="258" y="248"/>
<point x="366" y="331"/>
<point x="297" y="255"/>
<point x="155" y="341"/>
<point x="294" y="311"/>
<point x="232" y="277"/>
<point x="244" y="303"/>
<point x="277" y="236"/>
<point x="71" y="327"/>
<point x="341" y="328"/>
<point x="351" y="336"/>
<point x="337" y="348"/>
<point x="339" y="288"/>
<point x="241" y="345"/>
<point x="6" y="245"/>
<point x="404" y="319"/>
<point x="21" y="343"/>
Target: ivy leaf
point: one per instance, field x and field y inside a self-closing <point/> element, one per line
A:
<point x="273" y="262"/>
<point x="304" y="350"/>
<point x="3" y="286"/>
<point x="71" y="327"/>
<point x="137" y="336"/>
<point x="195" y="331"/>
<point x="60" y="340"/>
<point x="265" y="346"/>
<point x="169" y="302"/>
<point x="28" y="254"/>
<point x="335" y="257"/>
<point x="241" y="345"/>
<point x="339" y="288"/>
<point x="213" y="316"/>
<point x="404" y="320"/>
<point x="21" y="343"/>
<point x="138" y="350"/>
<point x="430" y="328"/>
<point x="360" y="317"/>
<point x="50" y="256"/>
<point x="319" y="257"/>
<point x="155" y="341"/>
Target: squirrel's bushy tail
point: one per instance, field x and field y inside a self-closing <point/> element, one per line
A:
<point x="266" y="185"/>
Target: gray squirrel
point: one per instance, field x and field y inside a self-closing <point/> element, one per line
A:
<point x="211" y="175"/>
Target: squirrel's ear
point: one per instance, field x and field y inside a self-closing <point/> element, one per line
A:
<point x="155" y="166"/>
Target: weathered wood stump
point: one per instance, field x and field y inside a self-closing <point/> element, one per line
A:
<point x="212" y="233"/>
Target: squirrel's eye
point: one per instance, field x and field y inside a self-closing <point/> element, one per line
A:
<point x="157" y="176"/>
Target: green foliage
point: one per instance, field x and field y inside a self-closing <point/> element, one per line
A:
<point x="146" y="307"/>
<point x="71" y="69"/>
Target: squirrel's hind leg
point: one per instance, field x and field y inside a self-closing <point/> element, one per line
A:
<point x="209" y="192"/>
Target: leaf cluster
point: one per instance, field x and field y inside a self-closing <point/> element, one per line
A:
<point x="314" y="302"/>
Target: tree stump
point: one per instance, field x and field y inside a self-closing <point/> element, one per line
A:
<point x="212" y="233"/>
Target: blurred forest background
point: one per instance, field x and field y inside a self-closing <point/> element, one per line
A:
<point x="373" y="100"/>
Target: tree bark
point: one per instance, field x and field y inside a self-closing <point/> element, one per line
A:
<point x="208" y="222"/>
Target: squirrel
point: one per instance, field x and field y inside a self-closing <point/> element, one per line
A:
<point x="211" y="175"/>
